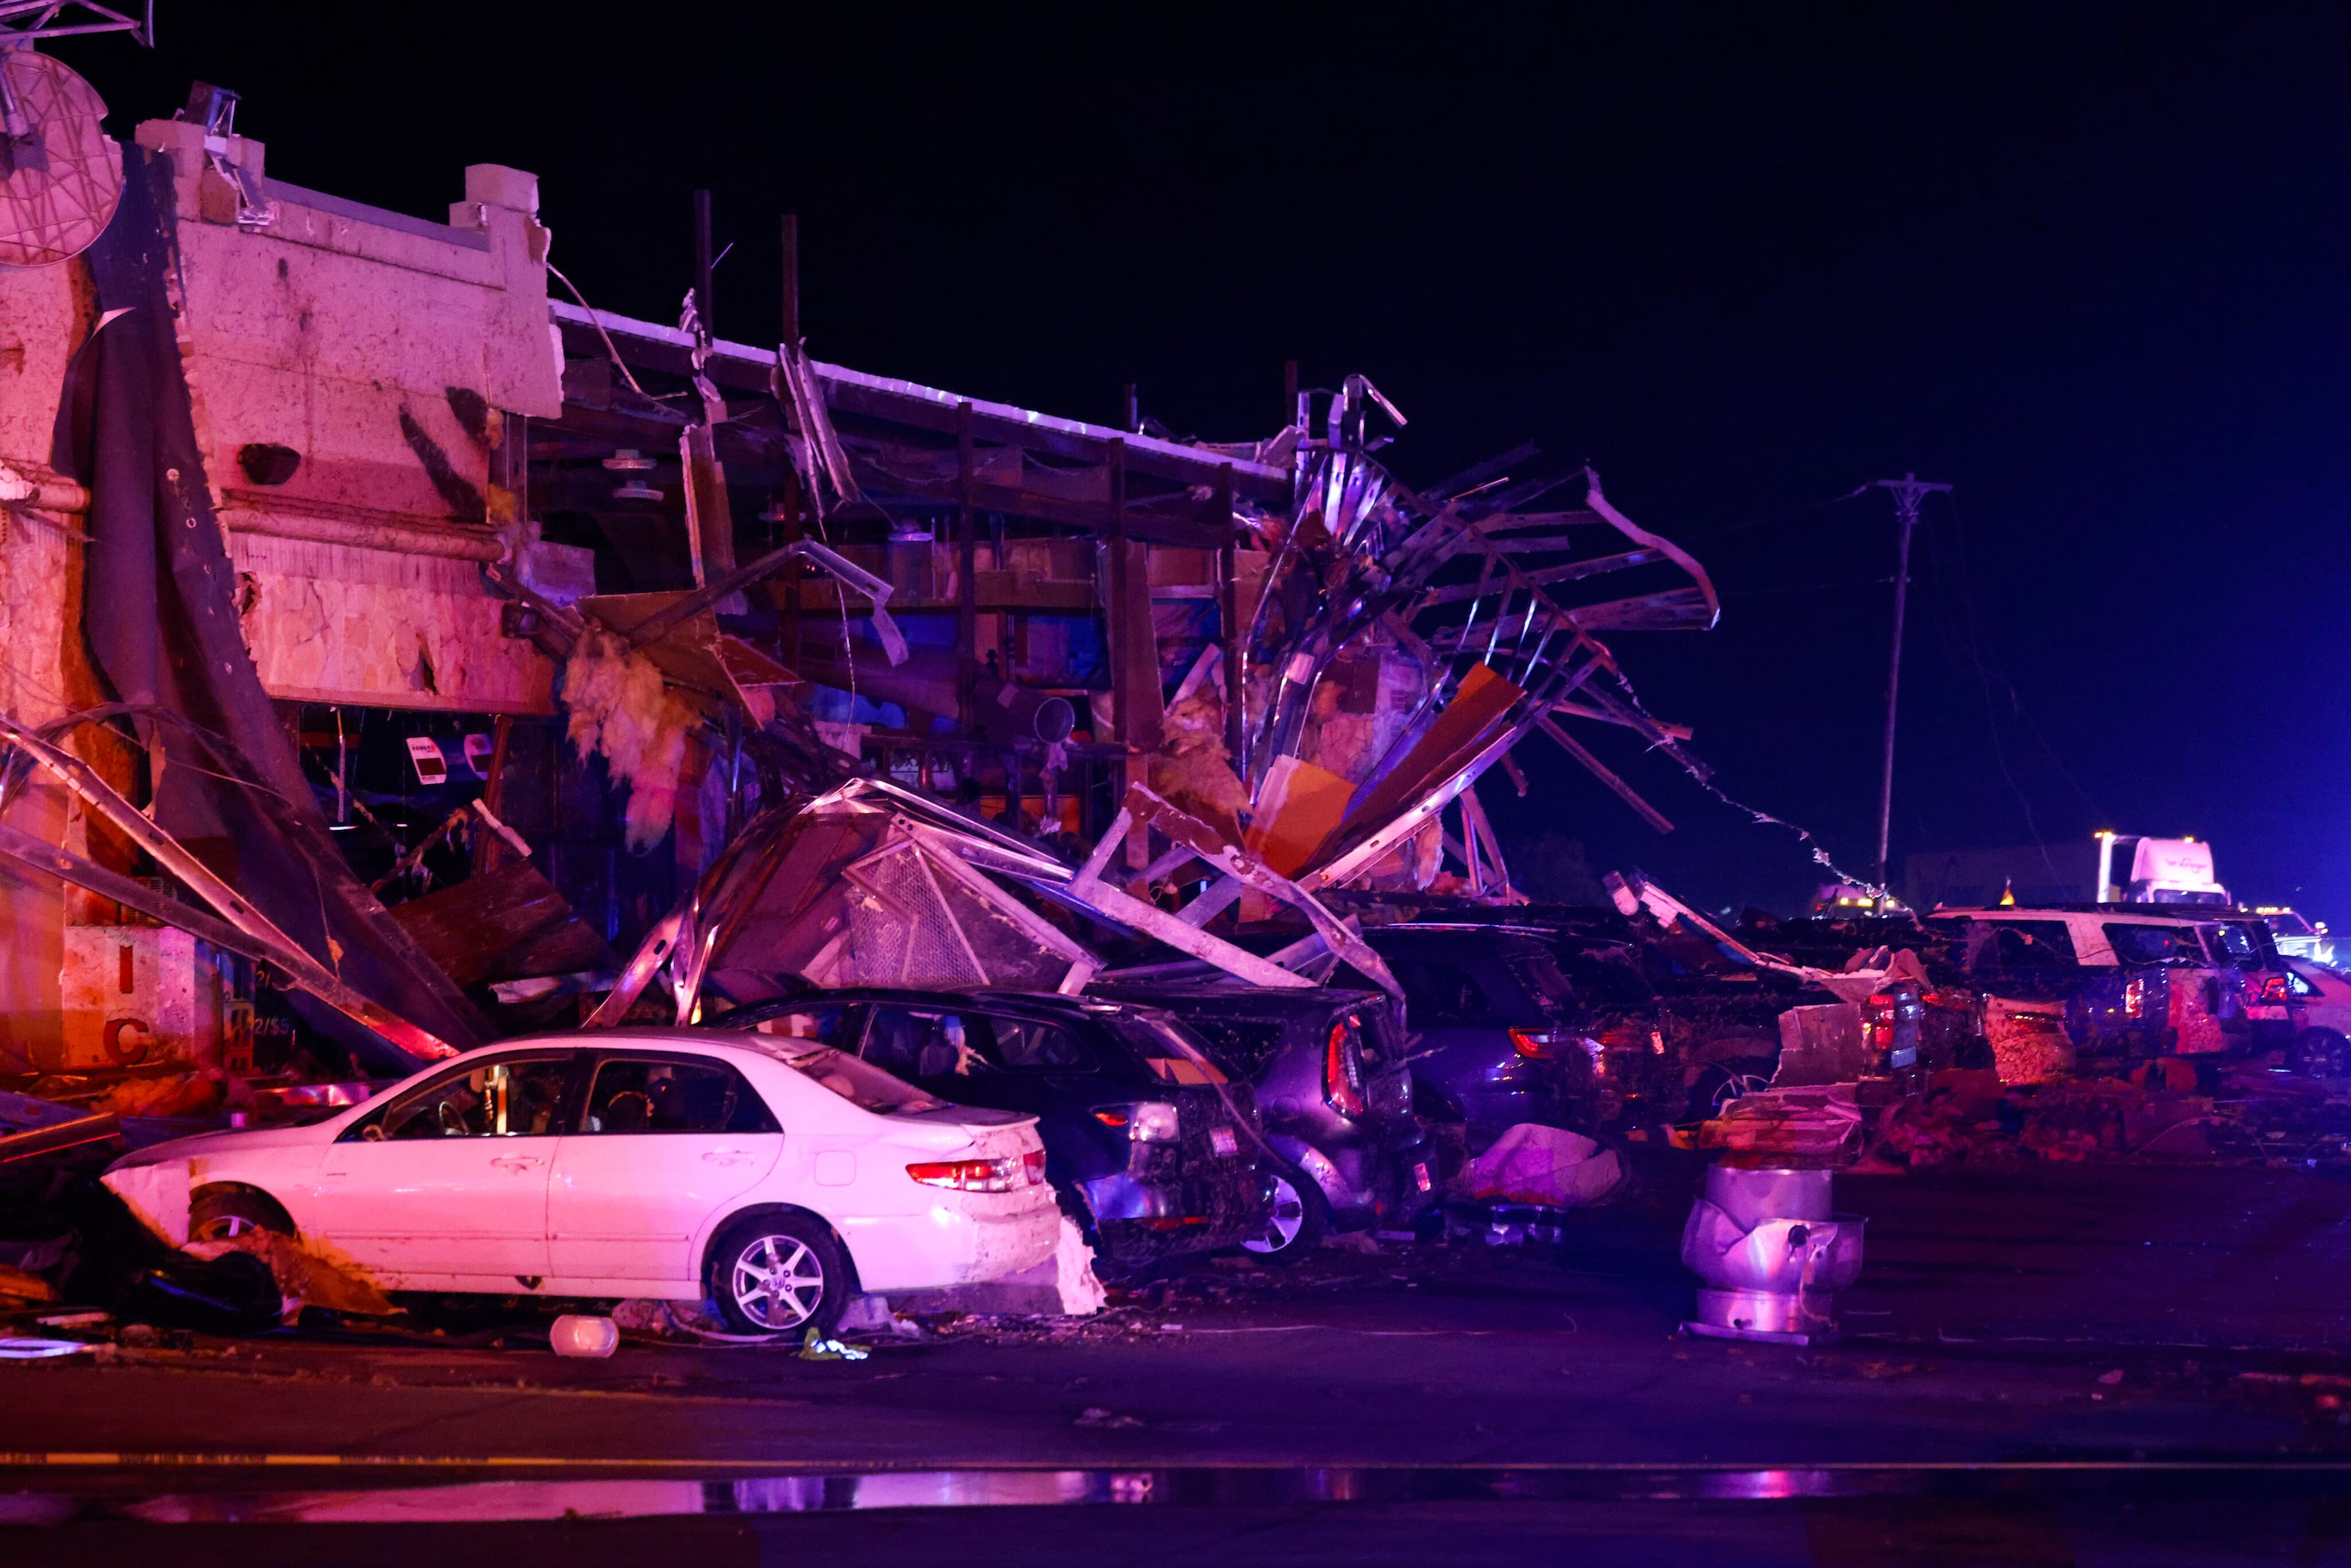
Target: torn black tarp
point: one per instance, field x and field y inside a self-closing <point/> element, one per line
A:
<point x="160" y="614"/>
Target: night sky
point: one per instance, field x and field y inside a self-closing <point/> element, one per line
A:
<point x="2087" y="264"/>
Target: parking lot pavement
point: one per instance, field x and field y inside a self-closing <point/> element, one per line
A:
<point x="2053" y="1313"/>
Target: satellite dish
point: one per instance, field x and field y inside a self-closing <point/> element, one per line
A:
<point x="63" y="171"/>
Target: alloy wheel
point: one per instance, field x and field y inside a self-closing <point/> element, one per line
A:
<point x="777" y="1282"/>
<point x="1284" y="1219"/>
<point x="225" y="1227"/>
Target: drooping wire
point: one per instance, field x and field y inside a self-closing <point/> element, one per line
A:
<point x="1857" y="491"/>
<point x="598" y="323"/>
<point x="1704" y="775"/>
<point x="1957" y="617"/>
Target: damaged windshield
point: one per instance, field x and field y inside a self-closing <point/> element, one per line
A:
<point x="861" y="1083"/>
<point x="2142" y="944"/>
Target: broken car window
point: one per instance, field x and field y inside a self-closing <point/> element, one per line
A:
<point x="1027" y="1043"/>
<point x="505" y="1098"/>
<point x="1607" y="978"/>
<point x="635" y="1095"/>
<point x="2019" y="944"/>
<point x="2135" y="943"/>
<point x="822" y="1024"/>
<point x="863" y="1085"/>
<point x="2234" y="944"/>
<point x="925" y="1045"/>
<point x="916" y="1044"/>
<point x="1441" y="992"/>
<point x="1538" y="972"/>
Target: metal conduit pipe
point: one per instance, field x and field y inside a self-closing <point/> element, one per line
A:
<point x="453" y="541"/>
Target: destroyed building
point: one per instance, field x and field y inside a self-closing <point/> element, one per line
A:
<point x="397" y="645"/>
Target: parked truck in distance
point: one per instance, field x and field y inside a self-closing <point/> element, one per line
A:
<point x="2110" y="868"/>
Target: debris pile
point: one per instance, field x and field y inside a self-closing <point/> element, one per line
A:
<point x="401" y="729"/>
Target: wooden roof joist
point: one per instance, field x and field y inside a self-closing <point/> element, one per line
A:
<point x="743" y="367"/>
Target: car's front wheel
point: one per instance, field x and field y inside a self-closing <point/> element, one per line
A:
<point x="2322" y="1053"/>
<point x="225" y="1216"/>
<point x="779" y="1273"/>
<point x="1296" y="1217"/>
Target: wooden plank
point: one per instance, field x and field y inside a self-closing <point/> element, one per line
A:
<point x="507" y="923"/>
<point x="1458" y="729"/>
<point x="1350" y="863"/>
<point x="1299" y="808"/>
<point x="708" y="512"/>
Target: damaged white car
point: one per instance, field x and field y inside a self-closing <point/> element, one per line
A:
<point x="774" y="1178"/>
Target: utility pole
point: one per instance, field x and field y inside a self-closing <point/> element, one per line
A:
<point x="1909" y="491"/>
<point x="702" y="264"/>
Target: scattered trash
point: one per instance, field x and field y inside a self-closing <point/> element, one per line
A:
<point x="816" y="1347"/>
<point x="25" y="1286"/>
<point x="1506" y="1224"/>
<point x="1813" y="1123"/>
<point x="233" y="1295"/>
<point x="19" y="1349"/>
<point x="1532" y="1164"/>
<point x="305" y="1274"/>
<point x="873" y="1316"/>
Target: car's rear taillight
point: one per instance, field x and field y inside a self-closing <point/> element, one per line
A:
<point x="975" y="1175"/>
<point x="1537" y="1044"/>
<point x="2270" y="991"/>
<point x="1145" y="1122"/>
<point x="1343" y="1068"/>
<point x="1032" y="1166"/>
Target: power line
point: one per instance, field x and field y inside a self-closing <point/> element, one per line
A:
<point x="1959" y="626"/>
<point x="1856" y="491"/>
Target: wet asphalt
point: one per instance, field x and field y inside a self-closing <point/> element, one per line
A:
<point x="2051" y="1354"/>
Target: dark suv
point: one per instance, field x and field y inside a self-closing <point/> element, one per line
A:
<point x="1495" y="1038"/>
<point x="1331" y="1077"/>
<point x="1153" y="1147"/>
<point x="1621" y="1021"/>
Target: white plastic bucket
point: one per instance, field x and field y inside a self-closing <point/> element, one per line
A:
<point x="576" y="1334"/>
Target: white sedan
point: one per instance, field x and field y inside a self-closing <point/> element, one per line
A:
<point x="2322" y="1008"/>
<point x="772" y="1177"/>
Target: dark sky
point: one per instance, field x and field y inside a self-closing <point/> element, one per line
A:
<point x="2088" y="264"/>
